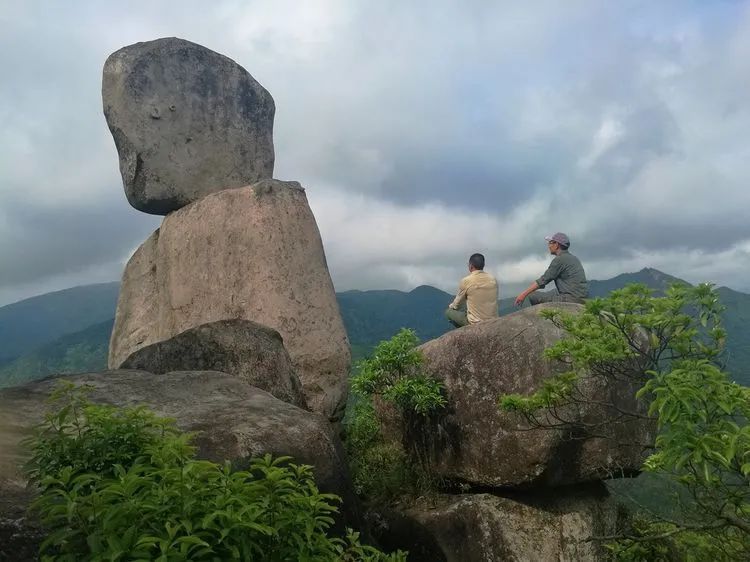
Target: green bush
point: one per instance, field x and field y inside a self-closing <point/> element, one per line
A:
<point x="393" y="372"/>
<point x="671" y="348"/>
<point x="122" y="484"/>
<point x="382" y="468"/>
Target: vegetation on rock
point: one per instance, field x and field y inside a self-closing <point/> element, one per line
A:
<point x="382" y="469"/>
<point x="673" y="345"/>
<point x="123" y="484"/>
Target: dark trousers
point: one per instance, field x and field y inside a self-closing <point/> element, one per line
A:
<point x="552" y="296"/>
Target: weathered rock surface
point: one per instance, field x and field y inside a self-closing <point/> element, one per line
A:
<point x="186" y="121"/>
<point x="485" y="528"/>
<point x="233" y="420"/>
<point x="253" y="253"/>
<point x="246" y="349"/>
<point x="474" y="441"/>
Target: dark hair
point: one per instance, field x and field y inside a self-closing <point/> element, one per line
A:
<point x="477" y="260"/>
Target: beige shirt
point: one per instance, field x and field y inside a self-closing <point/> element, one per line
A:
<point x="479" y="290"/>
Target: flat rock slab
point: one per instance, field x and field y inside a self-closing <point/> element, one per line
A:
<point x="485" y="528"/>
<point x="250" y="253"/>
<point x="243" y="348"/>
<point x="233" y="420"/>
<point x="474" y="441"/>
<point x="186" y="122"/>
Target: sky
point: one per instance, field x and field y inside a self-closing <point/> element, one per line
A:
<point x="422" y="132"/>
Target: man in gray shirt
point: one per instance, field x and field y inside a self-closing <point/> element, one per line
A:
<point x="565" y="270"/>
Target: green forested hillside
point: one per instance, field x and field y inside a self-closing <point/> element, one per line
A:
<point x="737" y="324"/>
<point x="369" y="317"/>
<point x="72" y="353"/>
<point x="31" y="323"/>
<point x="373" y="316"/>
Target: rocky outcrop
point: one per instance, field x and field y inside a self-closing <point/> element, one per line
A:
<point x="246" y="349"/>
<point x="485" y="527"/>
<point x="186" y="121"/>
<point x="232" y="419"/>
<point x="252" y="253"/>
<point x="475" y="442"/>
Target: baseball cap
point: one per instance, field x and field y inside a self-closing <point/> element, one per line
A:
<point x="560" y="238"/>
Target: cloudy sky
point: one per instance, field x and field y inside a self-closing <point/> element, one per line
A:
<point x="422" y="131"/>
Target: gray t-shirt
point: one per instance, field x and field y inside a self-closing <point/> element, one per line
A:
<point x="567" y="273"/>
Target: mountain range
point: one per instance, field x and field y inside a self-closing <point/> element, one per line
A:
<point x="68" y="331"/>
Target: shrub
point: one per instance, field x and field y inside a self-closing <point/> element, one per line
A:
<point x="123" y="484"/>
<point x="383" y="469"/>
<point x="672" y="347"/>
<point x="393" y="372"/>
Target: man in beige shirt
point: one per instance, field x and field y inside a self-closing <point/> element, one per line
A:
<point x="479" y="290"/>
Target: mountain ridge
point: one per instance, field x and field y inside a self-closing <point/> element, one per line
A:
<point x="370" y="316"/>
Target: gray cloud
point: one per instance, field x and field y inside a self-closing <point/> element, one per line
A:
<point x="482" y="126"/>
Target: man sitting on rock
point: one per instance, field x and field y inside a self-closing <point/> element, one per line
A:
<point x="565" y="270"/>
<point x="479" y="290"/>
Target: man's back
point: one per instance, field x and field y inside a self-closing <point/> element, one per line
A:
<point x="481" y="296"/>
<point x="568" y="274"/>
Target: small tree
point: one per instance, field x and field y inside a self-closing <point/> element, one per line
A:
<point x="670" y="347"/>
<point x="393" y="371"/>
<point x="384" y="468"/>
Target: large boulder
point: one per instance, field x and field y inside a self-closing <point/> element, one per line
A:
<point x="238" y="347"/>
<point x="186" y="122"/>
<point x="472" y="440"/>
<point x="485" y="527"/>
<point x="253" y="253"/>
<point x="233" y="421"/>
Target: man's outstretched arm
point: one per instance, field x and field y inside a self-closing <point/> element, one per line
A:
<point x="552" y="273"/>
<point x="530" y="289"/>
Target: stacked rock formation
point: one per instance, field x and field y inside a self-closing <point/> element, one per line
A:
<point x="539" y="491"/>
<point x="193" y="130"/>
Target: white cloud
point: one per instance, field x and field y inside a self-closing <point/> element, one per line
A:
<point x="422" y="135"/>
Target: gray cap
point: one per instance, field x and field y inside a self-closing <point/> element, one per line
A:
<point x="560" y="238"/>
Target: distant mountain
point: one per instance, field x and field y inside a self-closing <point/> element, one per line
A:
<point x="372" y="316"/>
<point x="652" y="278"/>
<point x="72" y="353"/>
<point x="369" y="317"/>
<point x="31" y="323"/>
<point x="737" y="325"/>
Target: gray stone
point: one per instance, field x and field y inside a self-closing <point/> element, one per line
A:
<point x="233" y="420"/>
<point x="487" y="528"/>
<point x="252" y="253"/>
<point x="472" y="440"/>
<point x="246" y="349"/>
<point x="186" y="121"/>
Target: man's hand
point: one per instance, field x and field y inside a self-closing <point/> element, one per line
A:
<point x="520" y="298"/>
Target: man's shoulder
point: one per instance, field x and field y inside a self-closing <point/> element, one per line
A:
<point x="487" y="276"/>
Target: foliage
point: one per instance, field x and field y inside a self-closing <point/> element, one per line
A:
<point x="381" y="469"/>
<point x="671" y="347"/>
<point x="655" y="541"/>
<point x="393" y="373"/>
<point x="88" y="438"/>
<point x="126" y="486"/>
